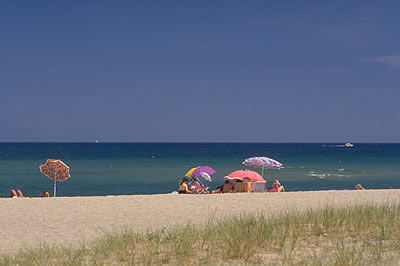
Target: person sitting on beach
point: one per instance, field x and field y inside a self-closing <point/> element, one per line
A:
<point x="278" y="186"/>
<point x="228" y="187"/>
<point x="272" y="189"/>
<point x="359" y="187"/>
<point x="183" y="187"/>
<point x="44" y="194"/>
<point x="194" y="186"/>
<point x="217" y="190"/>
<point x="16" y="194"/>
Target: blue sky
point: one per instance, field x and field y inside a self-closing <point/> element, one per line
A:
<point x="234" y="71"/>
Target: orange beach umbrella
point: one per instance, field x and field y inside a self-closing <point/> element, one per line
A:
<point x="55" y="169"/>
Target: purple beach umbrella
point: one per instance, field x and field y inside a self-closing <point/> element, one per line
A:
<point x="202" y="169"/>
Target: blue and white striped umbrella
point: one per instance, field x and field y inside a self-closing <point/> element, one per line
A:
<point x="262" y="162"/>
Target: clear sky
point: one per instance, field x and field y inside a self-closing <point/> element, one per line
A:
<point x="230" y="71"/>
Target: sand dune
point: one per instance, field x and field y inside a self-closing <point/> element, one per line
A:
<point x="28" y="222"/>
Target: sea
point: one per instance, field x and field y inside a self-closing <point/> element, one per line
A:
<point x="99" y="169"/>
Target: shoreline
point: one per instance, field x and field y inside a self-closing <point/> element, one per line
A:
<point x="71" y="221"/>
<point x="195" y="195"/>
<point x="171" y="193"/>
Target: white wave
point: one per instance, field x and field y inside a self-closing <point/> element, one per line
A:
<point x="318" y="175"/>
<point x="327" y="175"/>
<point x="341" y="169"/>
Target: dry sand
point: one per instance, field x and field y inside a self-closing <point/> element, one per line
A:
<point x="28" y="222"/>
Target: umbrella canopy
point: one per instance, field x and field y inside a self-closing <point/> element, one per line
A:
<point x="55" y="169"/>
<point x="188" y="174"/>
<point x="262" y="162"/>
<point x="196" y="172"/>
<point x="206" y="176"/>
<point x="244" y="175"/>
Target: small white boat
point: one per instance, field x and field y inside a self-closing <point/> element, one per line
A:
<point x="348" y="144"/>
<point x="97" y="141"/>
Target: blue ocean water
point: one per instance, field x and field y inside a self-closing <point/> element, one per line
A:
<point x="152" y="168"/>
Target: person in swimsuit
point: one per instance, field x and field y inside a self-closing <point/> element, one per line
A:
<point x="278" y="186"/>
<point x="183" y="187"/>
<point x="217" y="190"/>
<point x="44" y="194"/>
<point x="359" y="187"/>
<point x="16" y="194"/>
<point x="194" y="186"/>
<point x="228" y="187"/>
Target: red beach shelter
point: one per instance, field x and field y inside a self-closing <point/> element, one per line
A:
<point x="245" y="175"/>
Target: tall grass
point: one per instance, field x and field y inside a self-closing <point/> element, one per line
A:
<point x="362" y="235"/>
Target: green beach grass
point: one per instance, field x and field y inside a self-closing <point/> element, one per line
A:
<point x="361" y="235"/>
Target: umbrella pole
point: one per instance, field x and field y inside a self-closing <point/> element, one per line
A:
<point x="55" y="186"/>
<point x="262" y="172"/>
<point x="201" y="184"/>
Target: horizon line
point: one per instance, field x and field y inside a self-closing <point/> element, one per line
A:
<point x="197" y="142"/>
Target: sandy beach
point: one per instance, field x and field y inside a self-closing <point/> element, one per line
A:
<point x="28" y="222"/>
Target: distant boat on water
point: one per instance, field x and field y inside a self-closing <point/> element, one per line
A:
<point x="97" y="141"/>
<point x="348" y="144"/>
